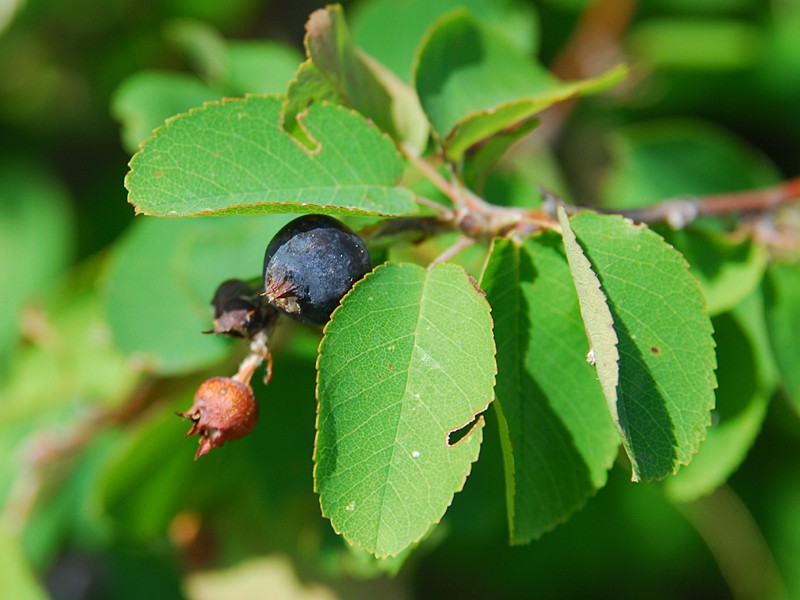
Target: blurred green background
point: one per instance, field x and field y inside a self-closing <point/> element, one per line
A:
<point x="99" y="315"/>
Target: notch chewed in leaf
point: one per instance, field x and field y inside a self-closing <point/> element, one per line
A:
<point x="407" y="359"/>
<point x="339" y="71"/>
<point x="233" y="157"/>
<point x="661" y="401"/>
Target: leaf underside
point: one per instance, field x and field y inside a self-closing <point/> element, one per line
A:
<point x="665" y="390"/>
<point x="473" y="82"/>
<point x="557" y="437"/>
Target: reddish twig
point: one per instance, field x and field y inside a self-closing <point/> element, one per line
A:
<point x="680" y="212"/>
<point x="444" y="186"/>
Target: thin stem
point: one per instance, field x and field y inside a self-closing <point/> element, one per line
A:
<point x="680" y="212"/>
<point x="259" y="352"/>
<point x="442" y="211"/>
<point x="479" y="219"/>
<point x="444" y="186"/>
<point x="752" y="201"/>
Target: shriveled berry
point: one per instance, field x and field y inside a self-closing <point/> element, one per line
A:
<point x="224" y="409"/>
<point x="232" y="294"/>
<point x="310" y="264"/>
<point x="239" y="310"/>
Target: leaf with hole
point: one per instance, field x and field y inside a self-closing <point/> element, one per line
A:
<point x="407" y="361"/>
<point x="361" y="81"/>
<point x="233" y="158"/>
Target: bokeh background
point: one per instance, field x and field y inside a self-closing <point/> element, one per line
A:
<point x="99" y="497"/>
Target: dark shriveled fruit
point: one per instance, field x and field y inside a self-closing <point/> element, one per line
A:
<point x="224" y="409"/>
<point x="310" y="264"/>
<point x="239" y="310"/>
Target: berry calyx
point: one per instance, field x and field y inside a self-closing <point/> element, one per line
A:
<point x="239" y="310"/>
<point x="310" y="264"/>
<point x="224" y="409"/>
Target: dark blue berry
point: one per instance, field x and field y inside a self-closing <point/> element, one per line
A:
<point x="310" y="264"/>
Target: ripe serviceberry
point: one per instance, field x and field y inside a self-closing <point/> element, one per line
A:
<point x="310" y="264"/>
<point x="224" y="409"/>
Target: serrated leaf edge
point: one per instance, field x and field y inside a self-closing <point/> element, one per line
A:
<point x="566" y="91"/>
<point x="303" y="207"/>
<point x="701" y="434"/>
<point x="476" y="429"/>
<point x="510" y="469"/>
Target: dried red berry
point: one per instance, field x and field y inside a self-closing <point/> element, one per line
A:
<point x="224" y="409"/>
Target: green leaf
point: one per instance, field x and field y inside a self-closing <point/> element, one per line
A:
<point x="407" y="360"/>
<point x="390" y="30"/>
<point x="233" y="158"/>
<point x="17" y="579"/>
<point x="473" y="84"/>
<point x="669" y="158"/>
<point x="666" y="382"/>
<point x="558" y="440"/>
<point x="145" y="100"/>
<point x="481" y="158"/>
<point x="783" y="320"/>
<point x="309" y="85"/>
<point x="728" y="271"/>
<point x="597" y="319"/>
<point x="362" y="82"/>
<point x="162" y="277"/>
<point x="746" y="380"/>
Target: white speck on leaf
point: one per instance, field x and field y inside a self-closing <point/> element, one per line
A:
<point x="590" y="358"/>
<point x="415" y="454"/>
<point x="351" y="507"/>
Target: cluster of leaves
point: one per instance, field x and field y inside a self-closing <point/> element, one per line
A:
<point x="409" y="358"/>
<point x="569" y="339"/>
